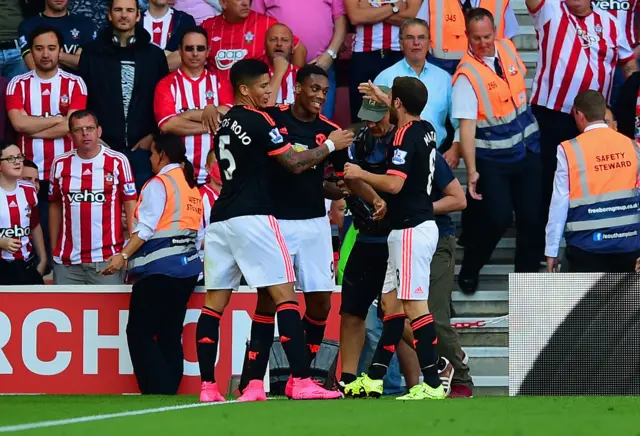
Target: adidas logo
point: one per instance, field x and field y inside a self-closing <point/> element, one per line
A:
<point x="13" y="204"/>
<point x="87" y="172"/>
<point x="390" y="348"/>
<point x="419" y="291"/>
<point x="284" y="339"/>
<point x="46" y="92"/>
<point x="206" y="341"/>
<point x="157" y="30"/>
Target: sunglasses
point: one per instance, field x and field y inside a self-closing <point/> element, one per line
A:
<point x="190" y="48"/>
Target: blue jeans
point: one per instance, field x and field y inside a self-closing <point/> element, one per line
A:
<point x="373" y="330"/>
<point x="330" y="103"/>
<point x="11" y="63"/>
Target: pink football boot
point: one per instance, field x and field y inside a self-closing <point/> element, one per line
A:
<point x="253" y="392"/>
<point x="306" y="389"/>
<point x="209" y="393"/>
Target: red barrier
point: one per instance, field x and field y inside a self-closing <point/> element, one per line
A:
<point x="72" y="339"/>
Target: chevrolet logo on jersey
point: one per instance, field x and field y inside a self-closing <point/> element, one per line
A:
<point x="300" y="147"/>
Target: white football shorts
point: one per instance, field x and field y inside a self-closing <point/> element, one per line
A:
<point x="409" y="264"/>
<point x="311" y="250"/>
<point x="249" y="246"/>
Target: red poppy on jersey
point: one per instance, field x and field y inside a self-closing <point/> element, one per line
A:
<point x="57" y="96"/>
<point x="231" y="42"/>
<point x="18" y="215"/>
<point x="92" y="192"/>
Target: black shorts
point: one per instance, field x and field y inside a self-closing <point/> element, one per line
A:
<point x="20" y="272"/>
<point x="363" y="277"/>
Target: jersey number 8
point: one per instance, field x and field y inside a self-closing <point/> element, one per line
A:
<point x="432" y="170"/>
<point x="225" y="154"/>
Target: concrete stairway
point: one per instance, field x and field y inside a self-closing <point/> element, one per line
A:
<point x="488" y="346"/>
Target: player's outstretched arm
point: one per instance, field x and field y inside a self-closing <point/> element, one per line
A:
<point x="390" y="183"/>
<point x="299" y="161"/>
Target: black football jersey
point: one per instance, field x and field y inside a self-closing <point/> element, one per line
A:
<point x="300" y="196"/>
<point x="413" y="157"/>
<point x="243" y="144"/>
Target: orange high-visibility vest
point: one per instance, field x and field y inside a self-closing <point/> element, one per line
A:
<point x="504" y="120"/>
<point x="172" y="250"/>
<point x="604" y="203"/>
<point x="447" y="28"/>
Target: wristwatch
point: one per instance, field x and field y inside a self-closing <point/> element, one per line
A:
<point x="332" y="53"/>
<point x="125" y="256"/>
<point x="395" y="8"/>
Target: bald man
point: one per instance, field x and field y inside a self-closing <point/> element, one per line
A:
<point x="279" y="49"/>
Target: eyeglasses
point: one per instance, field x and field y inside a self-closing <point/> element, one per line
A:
<point x="14" y="159"/>
<point x="83" y="128"/>
<point x="200" y="48"/>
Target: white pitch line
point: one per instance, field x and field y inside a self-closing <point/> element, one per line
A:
<point x="44" y="424"/>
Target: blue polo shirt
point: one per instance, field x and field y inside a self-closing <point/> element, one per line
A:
<point x="444" y="176"/>
<point x="76" y="31"/>
<point x="439" y="87"/>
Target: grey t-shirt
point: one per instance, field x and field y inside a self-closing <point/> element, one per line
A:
<point x="10" y="18"/>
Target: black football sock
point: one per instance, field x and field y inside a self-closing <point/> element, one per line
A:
<point x="314" y="333"/>
<point x="207" y="333"/>
<point x="392" y="328"/>
<point x="424" y="332"/>
<point x="262" y="329"/>
<point x="292" y="338"/>
<point x="347" y="378"/>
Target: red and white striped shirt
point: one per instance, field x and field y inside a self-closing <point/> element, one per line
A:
<point x="231" y="43"/>
<point x="159" y="28"/>
<point x="92" y="192"/>
<point x="178" y="93"/>
<point x="379" y="36"/>
<point x="62" y="93"/>
<point x="18" y="216"/>
<point x="574" y="54"/>
<point x="626" y="12"/>
<point x="209" y="196"/>
<point x="286" y="93"/>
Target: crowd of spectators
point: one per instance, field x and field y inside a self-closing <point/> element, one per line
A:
<point x="129" y="65"/>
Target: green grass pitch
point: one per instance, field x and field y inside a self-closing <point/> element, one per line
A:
<point x="607" y="416"/>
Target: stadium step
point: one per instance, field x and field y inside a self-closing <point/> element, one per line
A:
<point x="482" y="303"/>
<point x="488" y="361"/>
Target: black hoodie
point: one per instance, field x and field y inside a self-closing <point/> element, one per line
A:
<point x="100" y="67"/>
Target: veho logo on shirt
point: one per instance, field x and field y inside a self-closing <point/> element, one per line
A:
<point x="15" y="232"/>
<point x="613" y="5"/>
<point x="86" y="196"/>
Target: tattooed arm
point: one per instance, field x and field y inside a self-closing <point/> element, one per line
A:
<point x="300" y="161"/>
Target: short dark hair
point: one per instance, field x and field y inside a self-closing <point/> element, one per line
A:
<point x="82" y="113"/>
<point x="478" y="14"/>
<point x="308" y="70"/>
<point x="43" y="29"/>
<point x="195" y="29"/>
<point x="412" y="94"/>
<point x="246" y="72"/>
<point x="5" y="145"/>
<point x="28" y="163"/>
<point x="111" y="2"/>
<point x="592" y="104"/>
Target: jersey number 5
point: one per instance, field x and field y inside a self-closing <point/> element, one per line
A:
<point x="225" y="154"/>
<point x="432" y="170"/>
